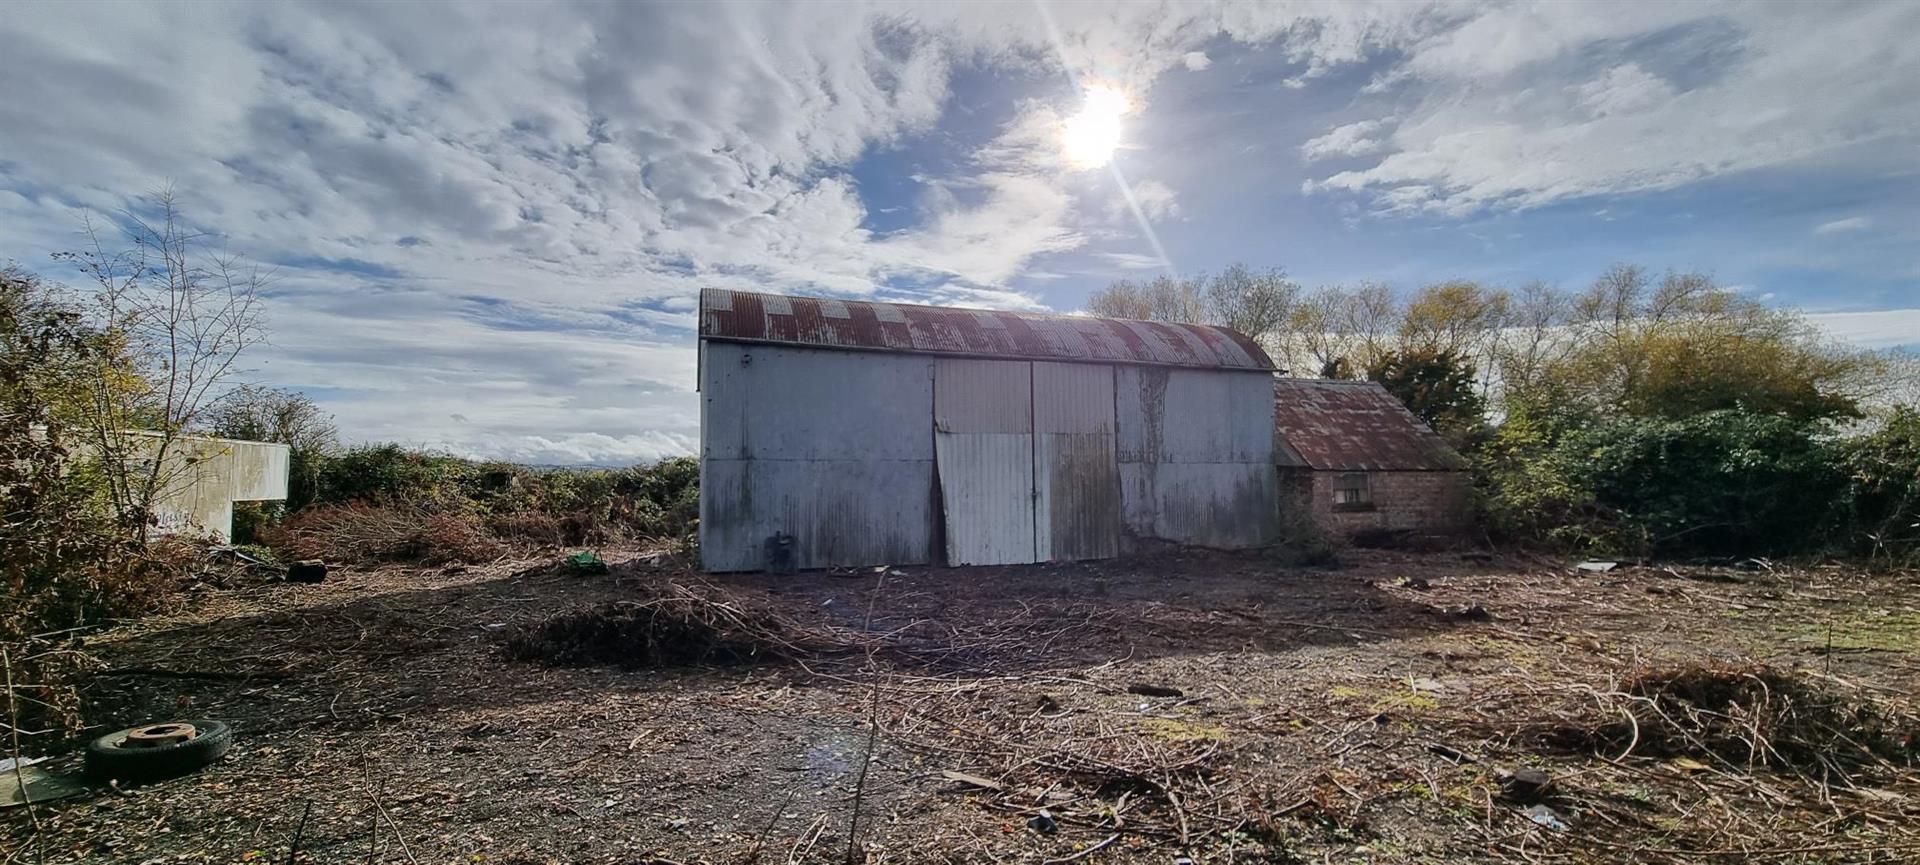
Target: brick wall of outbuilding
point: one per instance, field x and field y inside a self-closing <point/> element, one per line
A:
<point x="1423" y="502"/>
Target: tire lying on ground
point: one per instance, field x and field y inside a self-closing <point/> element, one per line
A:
<point x="153" y="751"/>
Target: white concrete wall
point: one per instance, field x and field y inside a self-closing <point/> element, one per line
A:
<point x="202" y="477"/>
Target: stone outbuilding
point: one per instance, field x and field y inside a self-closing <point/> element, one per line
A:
<point x="1355" y="459"/>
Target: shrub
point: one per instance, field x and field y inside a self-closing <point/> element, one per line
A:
<point x="389" y="473"/>
<point x="1882" y="506"/>
<point x="65" y="562"/>
<point x="577" y="507"/>
<point x="1723" y="482"/>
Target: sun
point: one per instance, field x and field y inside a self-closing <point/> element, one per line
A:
<point x="1090" y="137"/>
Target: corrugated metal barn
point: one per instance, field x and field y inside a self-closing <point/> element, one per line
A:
<point x="875" y="433"/>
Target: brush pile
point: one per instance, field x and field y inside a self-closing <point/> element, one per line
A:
<point x="368" y="533"/>
<point x="672" y="625"/>
<point x="1748" y="717"/>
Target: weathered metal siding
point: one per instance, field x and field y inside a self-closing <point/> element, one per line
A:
<point x="839" y="512"/>
<point x="1196" y="456"/>
<point x="830" y="447"/>
<point x="1077" y="480"/>
<point x="983" y="423"/>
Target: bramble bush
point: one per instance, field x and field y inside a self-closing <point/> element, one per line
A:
<point x="374" y="503"/>
<point x="1882" y="500"/>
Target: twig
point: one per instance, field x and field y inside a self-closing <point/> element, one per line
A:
<point x="13" y="728"/>
<point x="392" y="824"/>
<point x="873" y="724"/>
<point x="299" y="832"/>
<point x="1084" y="853"/>
<point x="760" y="843"/>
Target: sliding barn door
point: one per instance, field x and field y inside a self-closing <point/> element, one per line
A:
<point x="1076" y="474"/>
<point x="983" y="444"/>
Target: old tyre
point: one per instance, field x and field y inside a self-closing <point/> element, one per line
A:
<point x="153" y="751"/>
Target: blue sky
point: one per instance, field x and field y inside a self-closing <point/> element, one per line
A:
<point x="490" y="222"/>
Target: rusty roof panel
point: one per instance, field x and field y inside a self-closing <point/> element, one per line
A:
<point x="904" y="327"/>
<point x="1354" y="426"/>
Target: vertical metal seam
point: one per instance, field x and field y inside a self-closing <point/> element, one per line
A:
<point x="1033" y="468"/>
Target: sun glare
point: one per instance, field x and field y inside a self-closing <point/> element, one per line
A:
<point x="1090" y="137"/>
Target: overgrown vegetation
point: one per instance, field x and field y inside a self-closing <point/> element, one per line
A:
<point x="68" y="562"/>
<point x="389" y="503"/>
<point x="1646" y="415"/>
<point x="102" y="388"/>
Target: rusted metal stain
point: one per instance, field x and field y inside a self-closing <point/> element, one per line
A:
<point x="867" y="325"/>
<point x="1196" y="456"/>
<point x="1353" y="426"/>
<point x="1079" y="503"/>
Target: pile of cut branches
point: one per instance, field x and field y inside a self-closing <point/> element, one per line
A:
<point x="361" y="532"/>
<point x="673" y="625"/>
<point x="1746" y="717"/>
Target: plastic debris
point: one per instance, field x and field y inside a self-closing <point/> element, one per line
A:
<point x="1547" y="817"/>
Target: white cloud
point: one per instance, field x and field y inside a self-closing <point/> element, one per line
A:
<point x="1133" y="260"/>
<point x="1623" y="88"/>
<point x="526" y="198"/>
<point x="1885" y="328"/>
<point x="1852" y="223"/>
<point x="1352" y="139"/>
<point x="1157" y="201"/>
<point x="1501" y="107"/>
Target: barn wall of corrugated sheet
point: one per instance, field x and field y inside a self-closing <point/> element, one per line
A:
<point x="983" y="436"/>
<point x="834" y="448"/>
<point x="1076" y="479"/>
<point x="871" y="458"/>
<point x="1196" y="456"/>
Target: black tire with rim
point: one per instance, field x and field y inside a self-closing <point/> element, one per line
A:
<point x="109" y="757"/>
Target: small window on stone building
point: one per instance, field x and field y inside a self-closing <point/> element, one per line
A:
<point x="1352" y="493"/>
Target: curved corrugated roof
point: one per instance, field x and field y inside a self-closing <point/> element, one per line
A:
<point x="863" y="325"/>
<point x="1353" y="426"/>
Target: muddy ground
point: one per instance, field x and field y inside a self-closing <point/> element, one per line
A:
<point x="1373" y="711"/>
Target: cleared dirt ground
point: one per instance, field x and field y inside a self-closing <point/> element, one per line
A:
<point x="1368" y="712"/>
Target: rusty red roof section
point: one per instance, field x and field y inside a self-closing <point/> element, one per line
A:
<point x="853" y="324"/>
<point x="1353" y="426"/>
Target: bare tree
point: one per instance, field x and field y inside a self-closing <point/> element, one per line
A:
<point x="1161" y="299"/>
<point x="268" y="414"/>
<point x="1534" y="339"/>
<point x="179" y="318"/>
<point x="1256" y="304"/>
